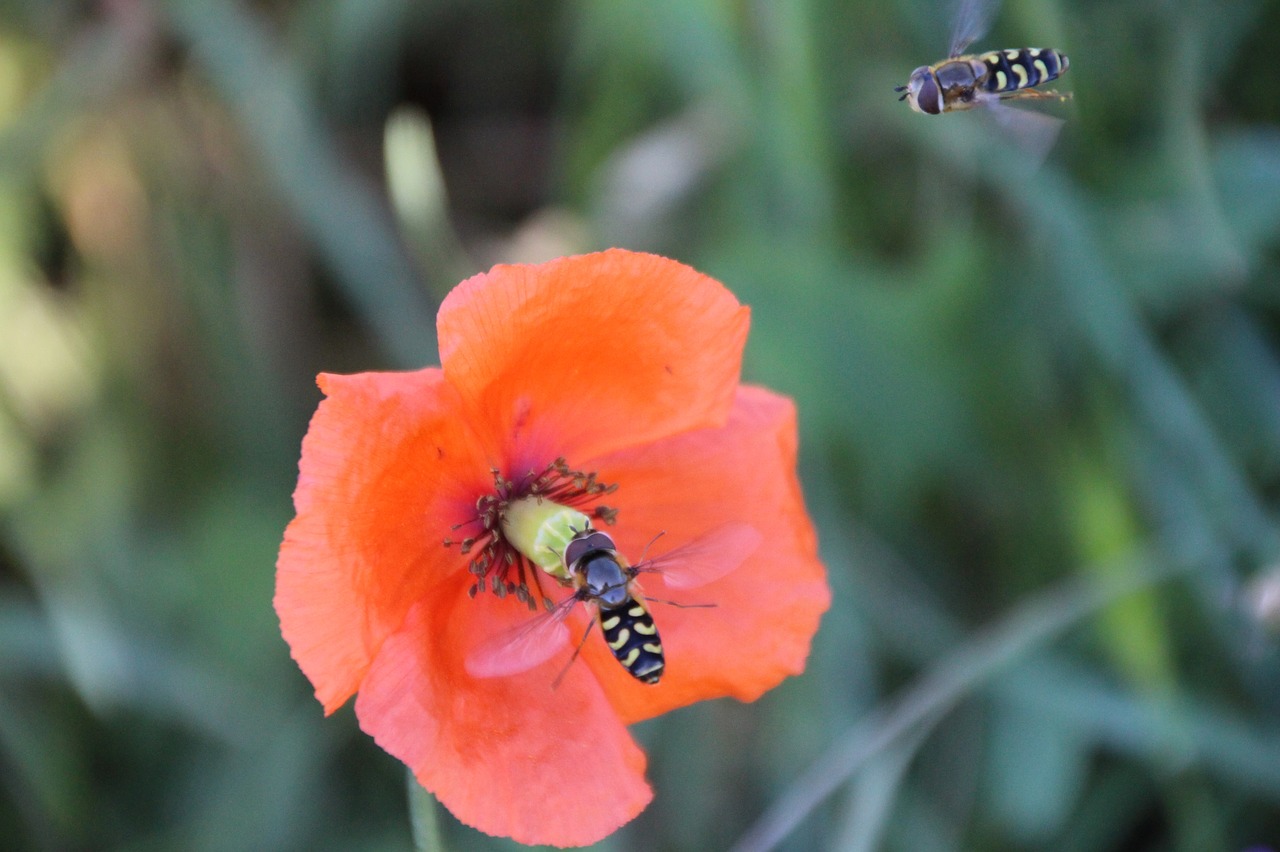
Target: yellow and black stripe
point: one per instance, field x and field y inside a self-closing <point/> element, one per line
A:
<point x="633" y="638"/>
<point x="1010" y="70"/>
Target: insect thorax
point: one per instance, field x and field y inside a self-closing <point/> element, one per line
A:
<point x="958" y="74"/>
<point x="603" y="578"/>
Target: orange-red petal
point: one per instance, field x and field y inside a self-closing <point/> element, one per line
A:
<point x="507" y="755"/>
<point x="767" y="610"/>
<point x="585" y="355"/>
<point x="386" y="469"/>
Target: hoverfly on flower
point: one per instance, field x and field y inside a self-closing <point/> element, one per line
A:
<point x="604" y="582"/>
<point x="438" y="509"/>
<point x="987" y="80"/>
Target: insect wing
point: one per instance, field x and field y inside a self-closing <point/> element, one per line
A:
<point x="971" y="21"/>
<point x="708" y="557"/>
<point x="524" y="646"/>
<point x="1033" y="132"/>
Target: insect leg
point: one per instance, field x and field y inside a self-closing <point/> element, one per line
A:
<point x="1036" y="94"/>
<point x="586" y="633"/>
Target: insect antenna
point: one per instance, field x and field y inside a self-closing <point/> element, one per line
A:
<point x="555" y="684"/>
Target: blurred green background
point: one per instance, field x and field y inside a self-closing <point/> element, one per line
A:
<point x="1016" y="387"/>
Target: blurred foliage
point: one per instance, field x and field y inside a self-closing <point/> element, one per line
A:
<point x="1017" y="386"/>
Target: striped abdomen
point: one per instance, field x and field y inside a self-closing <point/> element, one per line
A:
<point x="1010" y="70"/>
<point x="633" y="638"/>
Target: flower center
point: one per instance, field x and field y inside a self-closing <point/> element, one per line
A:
<point x="528" y="522"/>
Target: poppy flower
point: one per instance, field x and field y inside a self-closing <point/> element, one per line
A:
<point x="602" y="388"/>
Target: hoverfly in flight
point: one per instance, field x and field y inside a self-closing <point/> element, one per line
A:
<point x="987" y="80"/>
<point x="607" y="585"/>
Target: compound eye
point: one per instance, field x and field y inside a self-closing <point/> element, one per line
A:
<point x="584" y="544"/>
<point x="600" y="541"/>
<point x="926" y="96"/>
<point x="575" y="550"/>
